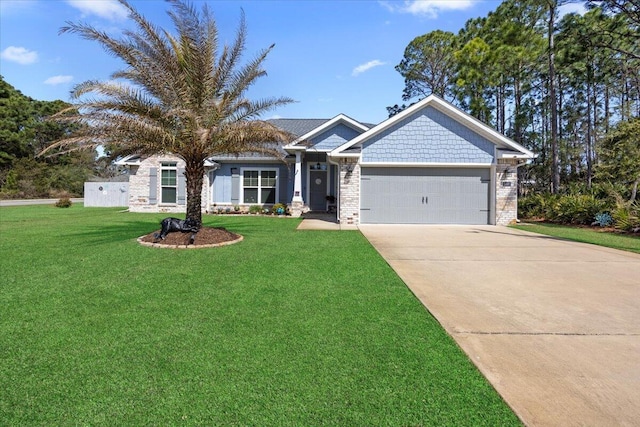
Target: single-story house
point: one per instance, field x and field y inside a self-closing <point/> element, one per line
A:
<point x="430" y="164"/>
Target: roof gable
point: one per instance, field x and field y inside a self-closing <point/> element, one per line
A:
<point x="344" y="128"/>
<point x="428" y="136"/>
<point x="464" y="119"/>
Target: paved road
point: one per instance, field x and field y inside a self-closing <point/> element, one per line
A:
<point x="553" y="325"/>
<point x="34" y="202"/>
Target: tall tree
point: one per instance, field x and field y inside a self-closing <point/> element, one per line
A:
<point x="475" y="78"/>
<point x="553" y="101"/>
<point x="179" y="93"/>
<point x="620" y="156"/>
<point x="624" y="35"/>
<point x="428" y="66"/>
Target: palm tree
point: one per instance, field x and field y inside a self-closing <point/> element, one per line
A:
<point x="179" y="93"/>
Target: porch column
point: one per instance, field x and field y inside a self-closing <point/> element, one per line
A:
<point x="297" y="180"/>
<point x="297" y="203"/>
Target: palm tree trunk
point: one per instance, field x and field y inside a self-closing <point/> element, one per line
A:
<point x="194" y="174"/>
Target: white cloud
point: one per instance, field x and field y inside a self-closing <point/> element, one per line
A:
<point x="366" y="67"/>
<point x="107" y="9"/>
<point x="57" y="80"/>
<point x="429" y="8"/>
<point x="20" y="55"/>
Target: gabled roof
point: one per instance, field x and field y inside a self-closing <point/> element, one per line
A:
<point x="507" y="146"/>
<point x="297" y="127"/>
<point x="328" y="124"/>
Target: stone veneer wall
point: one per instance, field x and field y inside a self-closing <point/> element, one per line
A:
<point x="349" y="192"/>
<point x="139" y="187"/>
<point x="506" y="191"/>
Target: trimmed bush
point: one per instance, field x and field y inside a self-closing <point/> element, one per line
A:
<point x="64" y="202"/>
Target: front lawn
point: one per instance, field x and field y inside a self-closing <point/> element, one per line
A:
<point x="625" y="242"/>
<point x="287" y="328"/>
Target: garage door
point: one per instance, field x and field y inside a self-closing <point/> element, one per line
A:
<point x="424" y="195"/>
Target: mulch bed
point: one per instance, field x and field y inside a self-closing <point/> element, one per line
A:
<point x="206" y="237"/>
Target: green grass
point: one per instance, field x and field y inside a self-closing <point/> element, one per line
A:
<point x="287" y="328"/>
<point x="586" y="235"/>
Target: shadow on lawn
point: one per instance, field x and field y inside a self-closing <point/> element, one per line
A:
<point x="115" y="232"/>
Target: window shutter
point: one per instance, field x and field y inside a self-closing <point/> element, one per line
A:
<point x="182" y="180"/>
<point x="235" y="186"/>
<point x="153" y="186"/>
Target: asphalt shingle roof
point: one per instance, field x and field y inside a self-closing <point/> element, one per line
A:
<point x="298" y="127"/>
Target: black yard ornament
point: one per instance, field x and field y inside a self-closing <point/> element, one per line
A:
<point x="170" y="225"/>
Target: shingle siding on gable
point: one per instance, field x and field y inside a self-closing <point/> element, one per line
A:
<point x="428" y="136"/>
<point x="334" y="137"/>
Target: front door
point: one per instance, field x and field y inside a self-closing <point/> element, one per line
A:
<point x="318" y="190"/>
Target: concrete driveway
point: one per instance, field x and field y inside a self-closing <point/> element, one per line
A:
<point x="553" y="325"/>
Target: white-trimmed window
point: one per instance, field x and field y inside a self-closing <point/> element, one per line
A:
<point x="169" y="182"/>
<point x="259" y="186"/>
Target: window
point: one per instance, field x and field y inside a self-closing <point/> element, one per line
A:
<point x="169" y="182"/>
<point x="259" y="186"/>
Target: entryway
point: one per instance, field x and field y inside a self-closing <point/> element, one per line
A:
<point x="318" y="185"/>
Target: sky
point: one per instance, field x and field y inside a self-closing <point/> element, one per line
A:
<point x="330" y="56"/>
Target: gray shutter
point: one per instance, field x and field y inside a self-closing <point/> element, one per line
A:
<point x="153" y="186"/>
<point x="235" y="186"/>
<point x="182" y="194"/>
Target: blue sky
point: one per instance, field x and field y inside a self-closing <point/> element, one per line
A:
<point x="332" y="57"/>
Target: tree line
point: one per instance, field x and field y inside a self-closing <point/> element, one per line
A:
<point x="24" y="132"/>
<point x="567" y="88"/>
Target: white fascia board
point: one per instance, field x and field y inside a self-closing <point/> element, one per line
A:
<point x="290" y="147"/>
<point x="326" y="125"/>
<point x="514" y="156"/>
<point x="343" y="155"/>
<point x="130" y="160"/>
<point x="425" y="164"/>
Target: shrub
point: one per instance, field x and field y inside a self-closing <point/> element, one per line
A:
<point x="603" y="219"/>
<point x="63" y="202"/>
<point x="279" y="209"/>
<point x="539" y="206"/>
<point x="577" y="209"/>
<point x="627" y="216"/>
<point x="567" y="209"/>
<point x="255" y="209"/>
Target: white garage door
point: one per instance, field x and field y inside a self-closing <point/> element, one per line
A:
<point x="391" y="195"/>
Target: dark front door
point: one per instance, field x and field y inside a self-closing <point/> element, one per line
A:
<point x="318" y="190"/>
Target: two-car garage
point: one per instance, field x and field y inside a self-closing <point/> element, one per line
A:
<point x="429" y="164"/>
<point x="425" y="195"/>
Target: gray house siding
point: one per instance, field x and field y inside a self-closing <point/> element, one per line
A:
<point x="334" y="137"/>
<point x="428" y="136"/>
<point x="226" y="181"/>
